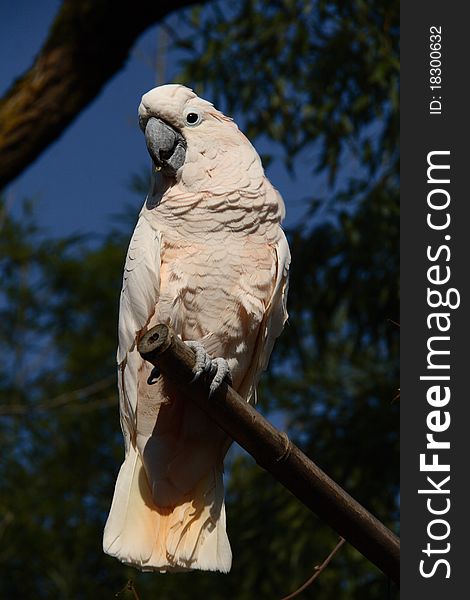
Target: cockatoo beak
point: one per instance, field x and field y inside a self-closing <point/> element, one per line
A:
<point x="166" y="146"/>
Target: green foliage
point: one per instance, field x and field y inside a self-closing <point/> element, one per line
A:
<point x="302" y="73"/>
<point x="318" y="77"/>
<point x="60" y="446"/>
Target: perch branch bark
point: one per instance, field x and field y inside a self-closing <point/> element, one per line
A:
<point x="273" y="451"/>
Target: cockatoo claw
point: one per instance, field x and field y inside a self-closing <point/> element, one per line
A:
<point x="203" y="361"/>
<point x="220" y="371"/>
<point x="215" y="368"/>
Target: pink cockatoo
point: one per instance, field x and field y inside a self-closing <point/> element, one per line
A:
<point x="209" y="258"/>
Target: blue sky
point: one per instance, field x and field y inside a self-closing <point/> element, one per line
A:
<point x="82" y="180"/>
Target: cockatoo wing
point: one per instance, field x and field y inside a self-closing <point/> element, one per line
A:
<point x="276" y="312"/>
<point x="139" y="296"/>
<point x="273" y="322"/>
<point x="130" y="531"/>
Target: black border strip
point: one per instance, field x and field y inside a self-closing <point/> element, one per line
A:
<point x="435" y="254"/>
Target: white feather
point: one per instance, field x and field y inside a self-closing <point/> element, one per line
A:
<point x="209" y="258"/>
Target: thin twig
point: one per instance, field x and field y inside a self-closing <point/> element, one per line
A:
<point x="318" y="570"/>
<point x="59" y="401"/>
<point x="129" y="587"/>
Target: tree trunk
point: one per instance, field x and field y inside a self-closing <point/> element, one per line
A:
<point x="88" y="43"/>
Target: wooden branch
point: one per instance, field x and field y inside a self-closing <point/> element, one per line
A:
<point x="88" y="43"/>
<point x="274" y="451"/>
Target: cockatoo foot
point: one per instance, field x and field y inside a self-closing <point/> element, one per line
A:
<point x="215" y="368"/>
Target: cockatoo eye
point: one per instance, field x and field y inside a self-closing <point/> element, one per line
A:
<point x="193" y="118"/>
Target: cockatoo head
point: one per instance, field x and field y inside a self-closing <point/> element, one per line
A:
<point x="172" y="118"/>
